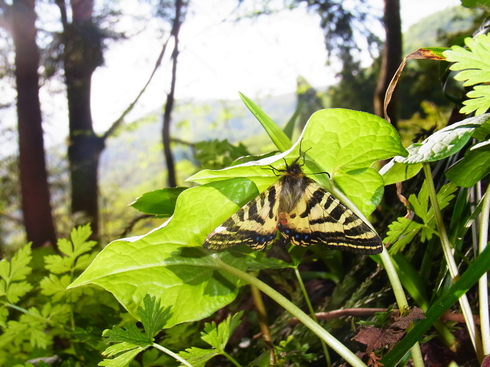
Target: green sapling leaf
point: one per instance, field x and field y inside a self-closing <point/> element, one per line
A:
<point x="218" y="335"/>
<point x="153" y="316"/>
<point x="128" y="333"/>
<point x="13" y="273"/>
<point x="17" y="268"/>
<point x="198" y="357"/>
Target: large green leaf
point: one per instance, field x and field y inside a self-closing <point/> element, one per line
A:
<point x="340" y="142"/>
<point x="169" y="262"/>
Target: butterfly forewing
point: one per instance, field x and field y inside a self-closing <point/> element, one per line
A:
<point x="255" y="224"/>
<point x="303" y="212"/>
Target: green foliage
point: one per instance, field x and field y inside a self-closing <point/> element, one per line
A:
<point x="128" y="340"/>
<point x="168" y="283"/>
<point x="171" y="260"/>
<point x="473" y="65"/>
<point x="32" y="304"/>
<point x="216" y="154"/>
<point x="403" y="230"/>
<point x="216" y="336"/>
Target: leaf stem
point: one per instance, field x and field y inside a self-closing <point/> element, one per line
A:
<point x="401" y="300"/>
<point x="341" y="349"/>
<point x="231" y="359"/>
<point x="312" y="313"/>
<point x="172" y="354"/>
<point x="483" y="282"/>
<point x="451" y="263"/>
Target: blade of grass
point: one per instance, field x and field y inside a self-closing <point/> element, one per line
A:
<point x="483" y="282"/>
<point x="278" y="137"/>
<point x="451" y="263"/>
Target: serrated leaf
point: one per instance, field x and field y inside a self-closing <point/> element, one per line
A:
<point x="218" y="335"/>
<point x="153" y="316"/>
<point x="17" y="268"/>
<point x="400" y="233"/>
<point x="478" y="102"/>
<point x="197" y="357"/>
<point x="474" y="61"/>
<point x="78" y="243"/>
<point x="473" y="64"/>
<point x="123" y="359"/>
<point x="79" y="236"/>
<point x="57" y="264"/>
<point x="55" y="286"/>
<point x="443" y="143"/>
<point x="17" y="290"/>
<point x="128" y="333"/>
<point x="84" y="260"/>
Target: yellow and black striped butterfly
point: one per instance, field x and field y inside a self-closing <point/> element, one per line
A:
<point x="302" y="211"/>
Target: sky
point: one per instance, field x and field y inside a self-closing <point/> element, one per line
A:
<point x="219" y="58"/>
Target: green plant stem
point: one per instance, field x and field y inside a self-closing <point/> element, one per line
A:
<point x="483" y="282"/>
<point x="312" y="313"/>
<point x="451" y="263"/>
<point x="344" y="352"/>
<point x="172" y="354"/>
<point x="401" y="300"/>
<point x="231" y="359"/>
<point x="263" y="323"/>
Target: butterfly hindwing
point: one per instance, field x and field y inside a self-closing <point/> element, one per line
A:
<point x="319" y="218"/>
<point x="255" y="224"/>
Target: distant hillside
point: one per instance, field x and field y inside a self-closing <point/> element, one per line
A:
<point x="133" y="160"/>
<point x="426" y="32"/>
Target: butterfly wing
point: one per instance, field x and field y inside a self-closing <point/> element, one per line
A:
<point x="319" y="218"/>
<point x="255" y="224"/>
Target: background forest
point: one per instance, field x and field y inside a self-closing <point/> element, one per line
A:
<point x="95" y="149"/>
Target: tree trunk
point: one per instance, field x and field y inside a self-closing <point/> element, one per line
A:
<point x="36" y="205"/>
<point x="82" y="55"/>
<point x="167" y="116"/>
<point x="392" y="56"/>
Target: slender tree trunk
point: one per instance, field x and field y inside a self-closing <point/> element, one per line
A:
<point x="36" y="205"/>
<point x="392" y="56"/>
<point x="82" y="55"/>
<point x="167" y="116"/>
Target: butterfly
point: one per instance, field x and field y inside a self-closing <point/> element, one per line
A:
<point x="302" y="211"/>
